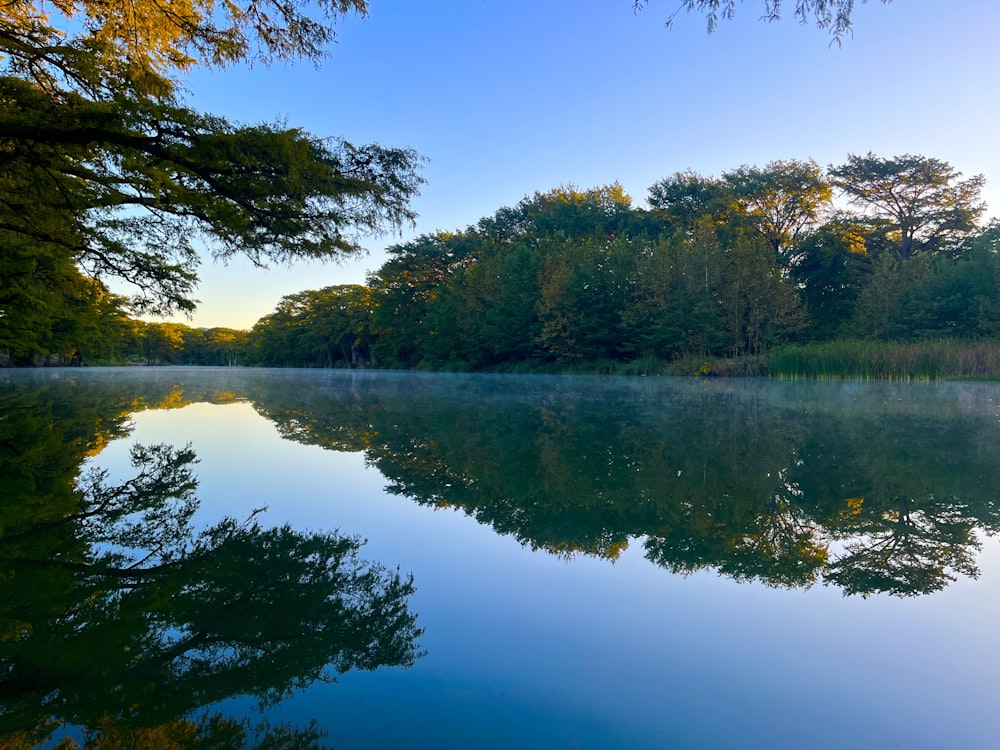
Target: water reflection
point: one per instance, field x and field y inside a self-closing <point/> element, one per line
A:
<point x="875" y="488"/>
<point x="119" y="618"/>
<point x="864" y="489"/>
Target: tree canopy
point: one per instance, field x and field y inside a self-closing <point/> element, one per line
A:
<point x="106" y="174"/>
<point x="129" y="187"/>
<point x="920" y="200"/>
<point x="785" y="199"/>
<point x="138" y="46"/>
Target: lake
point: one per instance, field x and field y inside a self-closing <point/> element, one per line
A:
<point x="557" y="562"/>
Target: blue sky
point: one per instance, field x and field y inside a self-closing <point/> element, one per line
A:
<point x="508" y="97"/>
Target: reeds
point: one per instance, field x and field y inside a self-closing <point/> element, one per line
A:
<point x="877" y="360"/>
<point x="858" y="359"/>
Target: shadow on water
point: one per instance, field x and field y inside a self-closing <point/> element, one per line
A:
<point x="121" y="625"/>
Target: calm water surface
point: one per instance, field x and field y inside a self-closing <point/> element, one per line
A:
<point x="595" y="562"/>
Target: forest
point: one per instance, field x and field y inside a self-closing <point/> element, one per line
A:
<point x="762" y="270"/>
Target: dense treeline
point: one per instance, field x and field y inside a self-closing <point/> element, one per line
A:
<point x="715" y="268"/>
<point x="882" y="249"/>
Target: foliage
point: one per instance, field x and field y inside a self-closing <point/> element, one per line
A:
<point x="580" y="280"/>
<point x="924" y="206"/>
<point x="685" y="198"/>
<point x="566" y="211"/>
<point x="832" y="15"/>
<point x="127" y="188"/>
<point x="831" y="269"/>
<point x="107" y="175"/>
<point x="115" y="47"/>
<point x="784" y="200"/>
<point x="47" y="308"/>
<point x="323" y="328"/>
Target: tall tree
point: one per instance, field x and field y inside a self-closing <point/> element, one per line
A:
<point x="565" y="211"/>
<point x="408" y="282"/>
<point x="47" y="307"/>
<point x="784" y="200"/>
<point x="922" y="201"/>
<point x="484" y="314"/>
<point x="830" y="271"/>
<point x="760" y="306"/>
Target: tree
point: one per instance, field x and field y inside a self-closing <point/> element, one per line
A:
<point x="318" y="328"/>
<point x="407" y="284"/>
<point x="125" y="187"/>
<point x="760" y="306"/>
<point x="833" y="15"/>
<point x="784" y="199"/>
<point x="225" y="346"/>
<point x="830" y="272"/>
<point x="567" y="211"/>
<point x="484" y="314"/>
<point x="103" y="168"/>
<point x="933" y="296"/>
<point x="47" y="307"/>
<point x="687" y="197"/>
<point x="163" y="343"/>
<point x="923" y="204"/>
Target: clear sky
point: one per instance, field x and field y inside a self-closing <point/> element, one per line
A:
<point x="509" y="97"/>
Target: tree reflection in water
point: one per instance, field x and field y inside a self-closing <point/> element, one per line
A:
<point x="120" y="619"/>
<point x="862" y="497"/>
<point x="907" y="547"/>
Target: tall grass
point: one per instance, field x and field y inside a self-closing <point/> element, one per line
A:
<point x="875" y="360"/>
<point x="862" y="359"/>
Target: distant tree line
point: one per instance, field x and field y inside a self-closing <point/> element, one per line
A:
<point x="109" y="337"/>
<point x="889" y="249"/>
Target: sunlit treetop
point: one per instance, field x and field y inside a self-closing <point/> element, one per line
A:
<point x="832" y="15"/>
<point x="155" y="40"/>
